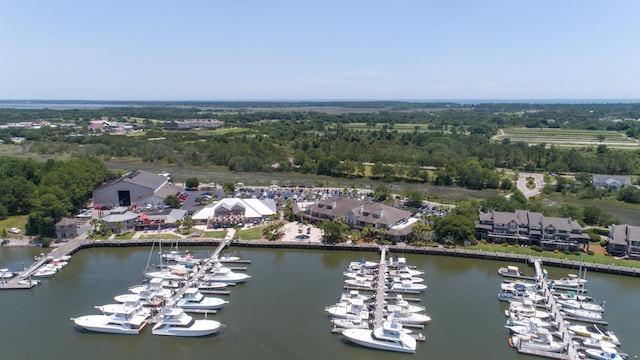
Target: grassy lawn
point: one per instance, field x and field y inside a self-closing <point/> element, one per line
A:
<point x="217" y="234"/>
<point x="161" y="236"/>
<point x="254" y="233"/>
<point x="125" y="236"/>
<point x="14" y="221"/>
<point x="596" y="258"/>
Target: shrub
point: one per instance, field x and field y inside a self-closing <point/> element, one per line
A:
<point x="46" y="242"/>
<point x="603" y="243"/>
<point x="536" y="248"/>
<point x="590" y="252"/>
<point x="594" y="237"/>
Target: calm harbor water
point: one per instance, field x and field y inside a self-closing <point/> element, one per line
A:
<point x="279" y="313"/>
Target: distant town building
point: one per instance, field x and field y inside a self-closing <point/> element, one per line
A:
<point x="610" y="181"/>
<point x="624" y="240"/>
<point x="193" y="124"/>
<point x="530" y="228"/>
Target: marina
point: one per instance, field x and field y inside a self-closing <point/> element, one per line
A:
<point x="313" y="279"/>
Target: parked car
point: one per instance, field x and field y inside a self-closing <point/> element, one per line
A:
<point x="15" y="230"/>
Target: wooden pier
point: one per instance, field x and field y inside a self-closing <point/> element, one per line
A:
<point x="378" y="313"/>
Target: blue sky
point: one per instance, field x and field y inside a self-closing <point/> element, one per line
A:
<point x="319" y="50"/>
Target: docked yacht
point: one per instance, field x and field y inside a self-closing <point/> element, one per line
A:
<point x="221" y="273"/>
<point x="525" y="309"/>
<point x="401" y="304"/>
<point x="406" y="286"/>
<point x="595" y="331"/>
<point x="46" y="271"/>
<point x="344" y="323"/>
<point x="606" y="354"/>
<point x="576" y="304"/>
<point x="571" y="282"/>
<point x="354" y="309"/>
<point x="360" y="283"/>
<point x="128" y="321"/>
<point x="194" y="300"/>
<point x="409" y="318"/>
<point x="584" y="315"/>
<point x="518" y="292"/>
<point x="512" y="272"/>
<point x="175" y="322"/>
<point x="529" y="322"/>
<point x="542" y="340"/>
<point x="389" y="336"/>
<point x="110" y="309"/>
<point x="362" y="264"/>
<point x="354" y="294"/>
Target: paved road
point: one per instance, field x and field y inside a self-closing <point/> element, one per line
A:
<point x="538" y="181"/>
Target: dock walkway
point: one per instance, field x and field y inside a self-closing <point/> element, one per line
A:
<point x="378" y="315"/>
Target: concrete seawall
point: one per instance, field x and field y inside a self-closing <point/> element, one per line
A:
<point x="474" y="254"/>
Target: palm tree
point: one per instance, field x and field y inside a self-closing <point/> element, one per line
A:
<point x="94" y="222"/>
<point x="187" y="222"/>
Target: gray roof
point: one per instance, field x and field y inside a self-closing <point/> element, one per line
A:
<point x="140" y="178"/>
<point x="66" y="222"/>
<point x="372" y="212"/>
<point x="624" y="180"/>
<point x="119" y="217"/>
<point x="619" y="234"/>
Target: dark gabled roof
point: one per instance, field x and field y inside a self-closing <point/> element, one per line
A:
<point x="66" y="222"/>
<point x="140" y="178"/>
<point x="619" y="233"/>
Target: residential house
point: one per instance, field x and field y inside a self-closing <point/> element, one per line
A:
<point x="530" y="228"/>
<point x="624" y="240"/>
<point x="610" y="181"/>
<point x="66" y="228"/>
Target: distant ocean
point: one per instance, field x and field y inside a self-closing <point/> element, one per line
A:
<point x="95" y="104"/>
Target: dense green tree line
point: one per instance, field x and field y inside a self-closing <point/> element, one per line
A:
<point x="48" y="191"/>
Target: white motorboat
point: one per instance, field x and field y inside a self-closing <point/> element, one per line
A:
<point x="150" y="296"/>
<point x="221" y="273"/>
<point x="390" y="336"/>
<point x="530" y="321"/>
<point x="582" y="314"/>
<point x="571" y="282"/>
<point x="405" y="277"/>
<point x="194" y="300"/>
<point x="598" y="332"/>
<point x="360" y="283"/>
<point x="46" y="271"/>
<point x="600" y="354"/>
<point x="401" y="304"/>
<point x="542" y="341"/>
<point x="29" y="282"/>
<point x="575" y="304"/>
<point x="211" y="285"/>
<point x="512" y="272"/>
<point x="344" y="323"/>
<point x="130" y="321"/>
<point x="227" y="258"/>
<point x="572" y="295"/>
<point x="412" y="318"/>
<point x="175" y="322"/>
<point x="518" y="292"/>
<point x="167" y="274"/>
<point x="596" y="343"/>
<point x="406" y="286"/>
<point x="110" y="309"/>
<point x="152" y="285"/>
<point x="359" y="274"/>
<point x="354" y="294"/>
<point x="362" y="264"/>
<point x="180" y="257"/>
<point x="354" y="309"/>
<point x="5" y="274"/>
<point x="525" y="309"/>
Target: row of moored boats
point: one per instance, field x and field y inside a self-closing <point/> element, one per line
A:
<point x="534" y="328"/>
<point x="353" y="315"/>
<point x="165" y="299"/>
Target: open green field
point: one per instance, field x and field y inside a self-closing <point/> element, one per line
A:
<point x="17" y="221"/>
<point x="568" y="137"/>
<point x="380" y="126"/>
